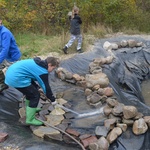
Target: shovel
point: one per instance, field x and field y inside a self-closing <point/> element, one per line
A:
<point x="82" y="115"/>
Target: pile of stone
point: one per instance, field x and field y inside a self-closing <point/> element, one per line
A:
<point x="89" y="80"/>
<point x="95" y="84"/>
<point x="118" y="118"/>
<point x="123" y="44"/>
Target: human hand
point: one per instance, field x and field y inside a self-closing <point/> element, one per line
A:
<point x="69" y="13"/>
<point x="54" y="103"/>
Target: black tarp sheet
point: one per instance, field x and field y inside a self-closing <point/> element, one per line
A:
<point x="130" y="67"/>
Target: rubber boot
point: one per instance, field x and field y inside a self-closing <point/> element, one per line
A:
<point x="27" y="104"/>
<point x="30" y="117"/>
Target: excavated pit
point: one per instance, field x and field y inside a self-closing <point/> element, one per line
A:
<point x="129" y="78"/>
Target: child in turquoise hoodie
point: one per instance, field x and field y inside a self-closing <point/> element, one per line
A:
<point x="22" y="76"/>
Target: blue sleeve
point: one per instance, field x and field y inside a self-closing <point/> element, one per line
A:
<point x="5" y="46"/>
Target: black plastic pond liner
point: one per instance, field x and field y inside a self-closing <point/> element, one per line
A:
<point x="126" y="73"/>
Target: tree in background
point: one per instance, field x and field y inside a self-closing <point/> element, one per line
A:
<point x="50" y="16"/>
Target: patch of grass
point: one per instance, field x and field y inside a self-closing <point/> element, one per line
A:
<point x="99" y="31"/>
<point x="35" y="45"/>
<point x="130" y="31"/>
<point x="32" y="45"/>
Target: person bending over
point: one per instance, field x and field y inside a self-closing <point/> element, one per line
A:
<point x="23" y="74"/>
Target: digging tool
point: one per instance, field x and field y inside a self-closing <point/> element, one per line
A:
<point x="67" y="109"/>
<point x="82" y="115"/>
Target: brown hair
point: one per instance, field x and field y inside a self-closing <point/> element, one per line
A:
<point x="53" y="61"/>
<point x="75" y="10"/>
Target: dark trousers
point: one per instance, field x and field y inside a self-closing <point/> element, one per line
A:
<point x="32" y="94"/>
<point x="3" y="86"/>
<point x="5" y="64"/>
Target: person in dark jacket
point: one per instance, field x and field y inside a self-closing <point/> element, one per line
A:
<point x="9" y="52"/>
<point x="23" y="76"/>
<point x="75" y="22"/>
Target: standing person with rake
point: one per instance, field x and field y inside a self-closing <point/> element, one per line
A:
<point x="75" y="22"/>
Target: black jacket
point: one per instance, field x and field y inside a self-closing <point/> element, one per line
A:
<point x="75" y="25"/>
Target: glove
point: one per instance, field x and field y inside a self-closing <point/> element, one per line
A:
<point x="54" y="103"/>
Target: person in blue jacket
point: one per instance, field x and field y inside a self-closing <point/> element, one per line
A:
<point x="23" y="76"/>
<point x="9" y="52"/>
<point x="75" y="22"/>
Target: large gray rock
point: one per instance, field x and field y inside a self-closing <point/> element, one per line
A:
<point x="113" y="135"/>
<point x="129" y="112"/>
<point x="139" y="127"/>
<point x="100" y="78"/>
